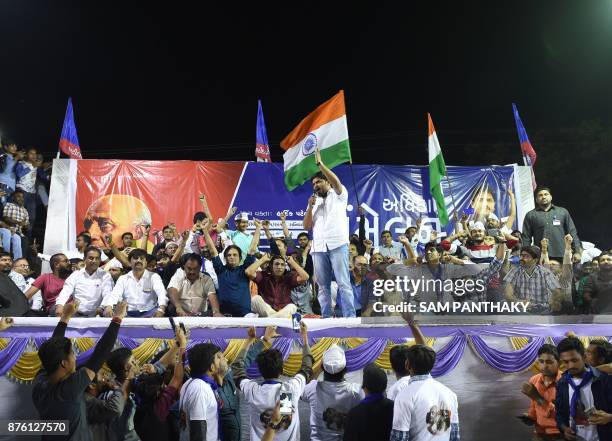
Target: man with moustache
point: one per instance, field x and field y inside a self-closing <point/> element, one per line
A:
<point x="533" y="282"/>
<point x="143" y="290"/>
<point x="584" y="396"/>
<point x="551" y="222"/>
<point x="326" y="217"/>
<point x="51" y="284"/>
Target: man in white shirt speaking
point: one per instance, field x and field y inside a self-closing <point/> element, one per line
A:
<point x="143" y="290"/>
<point x="326" y="217"/>
<point x="88" y="285"/>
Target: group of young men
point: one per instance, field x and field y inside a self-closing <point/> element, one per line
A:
<point x="575" y="404"/>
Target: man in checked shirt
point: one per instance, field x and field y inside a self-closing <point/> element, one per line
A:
<point x="533" y="282"/>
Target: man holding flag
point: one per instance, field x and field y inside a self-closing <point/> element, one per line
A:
<point x="324" y="132"/>
<point x="326" y="216"/>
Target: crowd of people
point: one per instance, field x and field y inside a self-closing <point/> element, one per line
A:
<point x="213" y="270"/>
<point x="165" y="401"/>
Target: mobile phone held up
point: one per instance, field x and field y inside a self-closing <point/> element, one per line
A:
<point x="295" y="322"/>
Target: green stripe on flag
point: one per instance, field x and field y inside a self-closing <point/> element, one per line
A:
<point x="437" y="170"/>
<point x="307" y="168"/>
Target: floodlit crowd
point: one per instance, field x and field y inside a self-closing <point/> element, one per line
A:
<point x="213" y="270"/>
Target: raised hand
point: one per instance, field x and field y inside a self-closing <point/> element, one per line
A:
<point x="361" y="210"/>
<point x="266" y="224"/>
<point x="69" y="310"/>
<point x="312" y="200"/>
<point x="257" y="223"/>
<point x="181" y="338"/>
<point x="568" y="240"/>
<point x="318" y="156"/>
<point x="283" y="216"/>
<point x="5" y="323"/>
<point x="185" y="236"/>
<point x="202" y="198"/>
<point x="270" y="333"/>
<point x="368" y="244"/>
<point x="403" y="239"/>
<point x="304" y="331"/>
<point x="251" y="333"/>
<point x="266" y="258"/>
<point x="233" y="210"/>
<point x="544" y="244"/>
<point x="121" y="309"/>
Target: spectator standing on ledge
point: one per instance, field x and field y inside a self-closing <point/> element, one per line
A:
<point x="326" y="217"/>
<point x="551" y="222"/>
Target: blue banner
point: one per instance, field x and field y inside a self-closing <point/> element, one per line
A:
<point x="393" y="197"/>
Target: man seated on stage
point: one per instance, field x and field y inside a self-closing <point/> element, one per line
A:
<point x="533" y="282"/>
<point x="50" y="285"/>
<point x="240" y="237"/>
<point x="476" y="249"/>
<point x="15" y="223"/>
<point x="563" y="271"/>
<point x="88" y="285"/>
<point x="143" y="290"/>
<point x="598" y="286"/>
<point x="391" y="250"/>
<point x="59" y="387"/>
<point x="190" y="290"/>
<point x="275" y="285"/>
<point x="542" y="391"/>
<point x="233" y="294"/>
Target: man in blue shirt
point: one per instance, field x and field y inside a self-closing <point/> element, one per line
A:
<point x="233" y="294"/>
<point x="8" y="179"/>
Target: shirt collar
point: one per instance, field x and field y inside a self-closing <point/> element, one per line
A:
<point x="557" y="378"/>
<point x="419" y="378"/>
<point x="552" y="207"/>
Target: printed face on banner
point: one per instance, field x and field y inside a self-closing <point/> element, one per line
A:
<point x="116" y="214"/>
<point x="117" y="197"/>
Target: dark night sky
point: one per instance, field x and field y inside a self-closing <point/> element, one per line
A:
<point x="144" y="79"/>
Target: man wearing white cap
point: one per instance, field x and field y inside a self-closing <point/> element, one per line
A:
<point x="476" y="249"/>
<point x="332" y="398"/>
<point x="240" y="237"/>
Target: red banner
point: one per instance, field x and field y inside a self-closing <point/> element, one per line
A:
<point x="115" y="197"/>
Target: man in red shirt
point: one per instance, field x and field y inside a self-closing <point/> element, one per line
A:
<point x="542" y="390"/>
<point x="51" y="284"/>
<point x="275" y="285"/>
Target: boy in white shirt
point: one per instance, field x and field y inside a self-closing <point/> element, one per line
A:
<point x="425" y="410"/>
<point x="262" y="398"/>
<point x="332" y="398"/>
<point x="199" y="402"/>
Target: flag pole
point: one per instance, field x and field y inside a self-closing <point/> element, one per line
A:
<point x="354" y="183"/>
<point x="451" y="192"/>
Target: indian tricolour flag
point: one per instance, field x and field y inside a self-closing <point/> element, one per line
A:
<point x="325" y="129"/>
<point x="437" y="170"/>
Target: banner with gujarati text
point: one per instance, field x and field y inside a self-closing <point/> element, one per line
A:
<point x="113" y="196"/>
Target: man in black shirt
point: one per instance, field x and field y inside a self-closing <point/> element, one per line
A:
<point x="371" y="419"/>
<point x="59" y="387"/>
<point x="548" y="221"/>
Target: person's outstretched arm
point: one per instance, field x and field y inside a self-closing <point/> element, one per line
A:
<point x="106" y="343"/>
